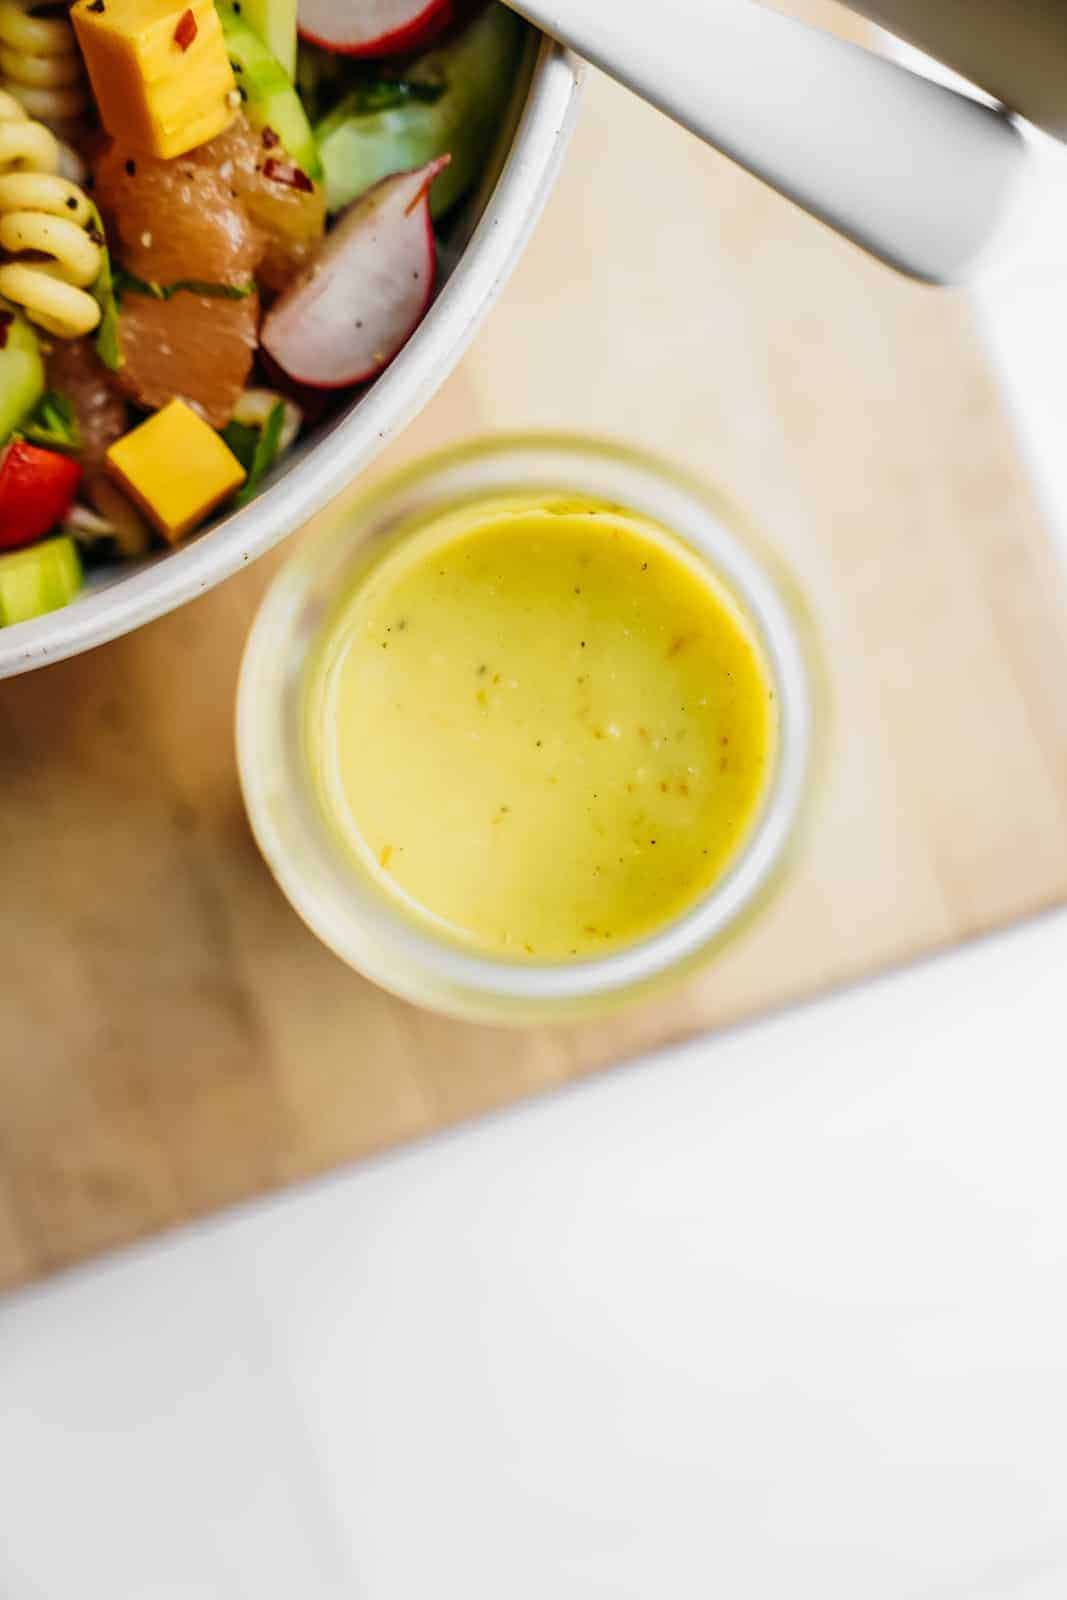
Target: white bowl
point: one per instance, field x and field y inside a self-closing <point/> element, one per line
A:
<point x="483" y="248"/>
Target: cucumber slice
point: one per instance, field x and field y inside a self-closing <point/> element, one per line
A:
<point x="21" y="369"/>
<point x="275" y="23"/>
<point x="269" y="97"/>
<point x="40" y="578"/>
<point x="476" y="69"/>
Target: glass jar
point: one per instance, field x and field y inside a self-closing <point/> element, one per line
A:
<point x="330" y="887"/>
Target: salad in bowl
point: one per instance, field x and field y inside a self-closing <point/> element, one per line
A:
<point x="219" y="223"/>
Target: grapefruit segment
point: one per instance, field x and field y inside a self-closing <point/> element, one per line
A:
<point x="281" y="202"/>
<point x="176" y="220"/>
<point x="188" y="348"/>
<point x="76" y="372"/>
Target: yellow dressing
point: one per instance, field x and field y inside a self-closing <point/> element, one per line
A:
<point x="546" y="727"/>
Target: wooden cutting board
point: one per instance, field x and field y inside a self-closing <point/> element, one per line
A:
<point x="172" y="1039"/>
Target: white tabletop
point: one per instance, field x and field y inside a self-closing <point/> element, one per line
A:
<point x="783" y="1314"/>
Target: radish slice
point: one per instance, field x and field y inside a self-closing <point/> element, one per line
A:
<point x="372" y="27"/>
<point x="348" y="314"/>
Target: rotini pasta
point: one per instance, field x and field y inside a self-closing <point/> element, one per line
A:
<point x="40" y="63"/>
<point x="46" y="221"/>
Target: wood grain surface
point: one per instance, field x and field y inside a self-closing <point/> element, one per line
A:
<point x="172" y="1040"/>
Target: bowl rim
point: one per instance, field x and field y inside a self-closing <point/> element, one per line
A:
<point x="511" y="212"/>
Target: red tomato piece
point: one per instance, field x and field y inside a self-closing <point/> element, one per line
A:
<point x="36" y="489"/>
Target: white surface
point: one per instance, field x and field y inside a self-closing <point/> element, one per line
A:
<point x="917" y="173"/>
<point x="782" y="1316"/>
<point x="785" y="1316"/>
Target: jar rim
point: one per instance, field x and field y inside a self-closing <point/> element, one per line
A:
<point x="380" y="939"/>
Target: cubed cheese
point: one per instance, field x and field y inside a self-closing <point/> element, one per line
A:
<point x="159" y="70"/>
<point x="176" y="468"/>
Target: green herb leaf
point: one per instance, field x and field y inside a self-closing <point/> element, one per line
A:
<point x="384" y="94"/>
<point x="53" y="424"/>
<point x="265" y="452"/>
<point x="242" y="440"/>
<point x="369" y="96"/>
<point x="106" y="338"/>
<point x="213" y="291"/>
<point x="126" y="283"/>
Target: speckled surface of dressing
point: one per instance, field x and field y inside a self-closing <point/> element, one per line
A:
<point x="546" y="727"/>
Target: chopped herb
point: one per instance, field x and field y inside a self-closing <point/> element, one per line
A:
<point x="266" y="452"/>
<point x="384" y="94"/>
<point x="53" y="424"/>
<point x="106" y="338"/>
<point x="263" y="454"/>
<point x="242" y="440"/>
<point x="127" y="283"/>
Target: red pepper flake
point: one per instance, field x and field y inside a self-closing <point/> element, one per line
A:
<point x="6" y="319"/>
<point x="285" y="172"/>
<point x="186" y="31"/>
<point x="270" y="138"/>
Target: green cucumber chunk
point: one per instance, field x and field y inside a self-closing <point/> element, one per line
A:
<point x="40" y="578"/>
<point x="270" y="101"/>
<point x="21" y="369"/>
<point x="477" y="71"/>
<point x="275" y="23"/>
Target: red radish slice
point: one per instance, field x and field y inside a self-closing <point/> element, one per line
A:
<point x="348" y="314"/>
<point x="372" y="27"/>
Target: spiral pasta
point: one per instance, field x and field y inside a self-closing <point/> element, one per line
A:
<point x="40" y="63"/>
<point x="49" y="219"/>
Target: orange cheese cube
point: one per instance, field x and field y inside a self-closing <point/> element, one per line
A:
<point x="176" y="468"/>
<point x="159" y="71"/>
